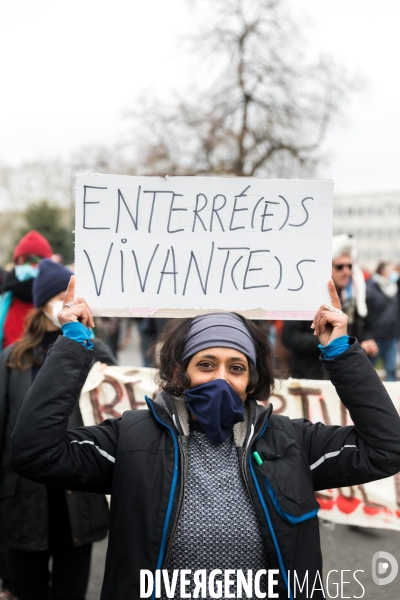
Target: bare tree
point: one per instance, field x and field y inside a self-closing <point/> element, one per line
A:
<point x="101" y="159"/>
<point x="266" y="110"/>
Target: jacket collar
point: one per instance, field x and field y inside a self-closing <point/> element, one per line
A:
<point x="174" y="408"/>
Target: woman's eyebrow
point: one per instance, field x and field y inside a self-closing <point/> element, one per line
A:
<point x="231" y="358"/>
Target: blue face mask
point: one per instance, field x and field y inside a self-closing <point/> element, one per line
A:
<point x="217" y="408"/>
<point x="394" y="276"/>
<point x="25" y="272"/>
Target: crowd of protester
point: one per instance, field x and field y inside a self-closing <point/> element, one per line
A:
<point x="371" y="302"/>
<point x="38" y="522"/>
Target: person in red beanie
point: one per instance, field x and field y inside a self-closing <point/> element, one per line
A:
<point x="37" y="521"/>
<point x="16" y="300"/>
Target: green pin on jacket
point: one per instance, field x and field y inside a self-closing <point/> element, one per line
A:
<point x="258" y="458"/>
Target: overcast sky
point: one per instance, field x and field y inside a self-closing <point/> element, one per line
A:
<point x="68" y="71"/>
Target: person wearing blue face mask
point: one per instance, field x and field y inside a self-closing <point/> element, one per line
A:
<point x="16" y="300"/>
<point x="38" y="521"/>
<point x="207" y="480"/>
<point x="15" y="303"/>
<point x="384" y="311"/>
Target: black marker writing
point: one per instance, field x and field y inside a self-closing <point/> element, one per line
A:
<point x="86" y="202"/>
<point x="233" y="271"/>
<point x="143" y="285"/>
<point x="174" y="272"/>
<point x="197" y="210"/>
<point x="226" y="262"/>
<point x="193" y="259"/>
<point x="223" y="272"/>
<point x="301" y="277"/>
<point x="154" y="192"/>
<point x="254" y="211"/>
<point x="305" y="210"/>
<point x="248" y="270"/>
<point x="216" y="210"/>
<point x="122" y="271"/>
<point x="266" y="214"/>
<point x="134" y="220"/>
<point x="241" y="195"/>
<point x="280" y="273"/>
<point x="171" y="210"/>
<point x="98" y="288"/>
<point x="287" y="212"/>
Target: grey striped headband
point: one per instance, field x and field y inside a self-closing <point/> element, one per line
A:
<point x="218" y="330"/>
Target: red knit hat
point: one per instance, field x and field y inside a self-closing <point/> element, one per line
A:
<point x="33" y="243"/>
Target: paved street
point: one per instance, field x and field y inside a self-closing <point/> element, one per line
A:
<point x="343" y="548"/>
<point x="131" y="355"/>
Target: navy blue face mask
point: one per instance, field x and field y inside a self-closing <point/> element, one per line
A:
<point x="217" y="408"/>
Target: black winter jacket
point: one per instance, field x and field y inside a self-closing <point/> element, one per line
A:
<point x="383" y="311"/>
<point x="140" y="459"/>
<point x="304" y="358"/>
<point x="300" y="339"/>
<point x="24" y="503"/>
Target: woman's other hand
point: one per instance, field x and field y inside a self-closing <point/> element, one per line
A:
<point x="75" y="309"/>
<point x="330" y="322"/>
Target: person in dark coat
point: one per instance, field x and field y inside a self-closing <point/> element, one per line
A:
<point x="38" y="521"/>
<point x="350" y="285"/>
<point x="149" y="330"/>
<point x="207" y="478"/>
<point x="384" y="312"/>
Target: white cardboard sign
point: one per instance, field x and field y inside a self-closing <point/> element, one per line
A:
<point x="153" y="246"/>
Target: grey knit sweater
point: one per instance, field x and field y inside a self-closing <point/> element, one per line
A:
<point x="218" y="527"/>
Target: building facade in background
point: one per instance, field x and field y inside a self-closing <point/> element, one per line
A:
<point x="374" y="221"/>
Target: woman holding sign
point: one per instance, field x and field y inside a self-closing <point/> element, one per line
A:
<point x="212" y="495"/>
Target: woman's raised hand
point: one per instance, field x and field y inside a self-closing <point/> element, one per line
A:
<point x="330" y="322"/>
<point x="75" y="309"/>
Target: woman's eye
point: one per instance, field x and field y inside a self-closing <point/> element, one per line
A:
<point x="206" y="365"/>
<point x="238" y="368"/>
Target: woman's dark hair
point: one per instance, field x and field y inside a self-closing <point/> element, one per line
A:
<point x="22" y="355"/>
<point x="172" y="375"/>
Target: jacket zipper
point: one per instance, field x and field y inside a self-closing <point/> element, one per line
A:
<point x="265" y="509"/>
<point x="179" y="507"/>
<point x="161" y="554"/>
<point x="165" y="551"/>
<point x="244" y="473"/>
<point x="244" y="454"/>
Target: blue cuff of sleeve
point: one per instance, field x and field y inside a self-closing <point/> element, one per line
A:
<point x="79" y="333"/>
<point x="335" y="347"/>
